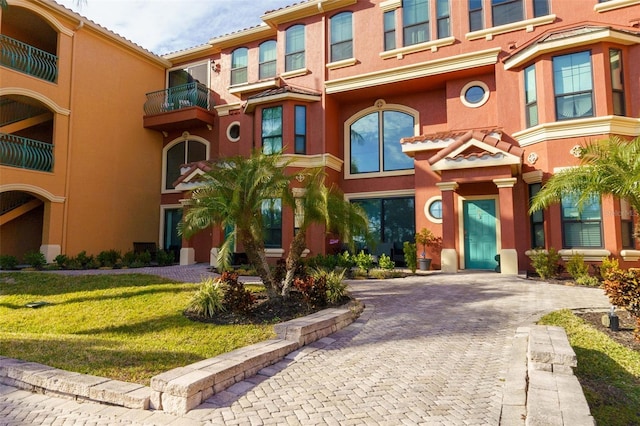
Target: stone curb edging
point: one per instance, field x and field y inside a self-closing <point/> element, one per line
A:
<point x="540" y="387"/>
<point x="179" y="390"/>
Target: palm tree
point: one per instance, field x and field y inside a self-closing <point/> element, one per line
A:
<point x="232" y="195"/>
<point x="609" y="167"/>
<point x="319" y="204"/>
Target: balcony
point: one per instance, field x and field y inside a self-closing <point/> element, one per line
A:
<point x="27" y="59"/>
<point x="16" y="151"/>
<point x="180" y="107"/>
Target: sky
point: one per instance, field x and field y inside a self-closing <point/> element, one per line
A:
<point x="164" y="26"/>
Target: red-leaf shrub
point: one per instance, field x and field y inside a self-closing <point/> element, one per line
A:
<point x="623" y="290"/>
<point x="236" y="297"/>
<point x="314" y="291"/>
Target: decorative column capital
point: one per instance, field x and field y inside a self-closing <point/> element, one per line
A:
<point x="505" y="182"/>
<point x="447" y="186"/>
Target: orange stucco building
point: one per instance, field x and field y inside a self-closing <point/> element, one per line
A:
<point x="439" y="114"/>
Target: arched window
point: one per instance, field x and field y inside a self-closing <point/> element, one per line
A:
<point x="294" y="49"/>
<point x="239" y="61"/>
<point x="374" y="142"/>
<point x="267" y="60"/>
<point x="341" y="36"/>
<point x="182" y="152"/>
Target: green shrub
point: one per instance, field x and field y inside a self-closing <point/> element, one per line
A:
<point x="587" y="280"/>
<point x="62" y="261"/>
<point x="144" y="258"/>
<point x="35" y="259"/>
<point x="8" y="262"/>
<point x="385" y="262"/>
<point x="410" y="255"/>
<point x="345" y="260"/>
<point x="546" y="264"/>
<point x="108" y="258"/>
<point x="86" y="261"/>
<point x="164" y="258"/>
<point x="334" y="281"/>
<point x="609" y="266"/>
<point x="364" y="260"/>
<point x="236" y="298"/>
<point x="328" y="262"/>
<point x="207" y="300"/>
<point x="576" y="266"/>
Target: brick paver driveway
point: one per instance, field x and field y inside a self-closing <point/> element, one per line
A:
<point x="428" y="350"/>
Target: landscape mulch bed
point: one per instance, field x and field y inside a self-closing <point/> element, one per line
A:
<point x="624" y="335"/>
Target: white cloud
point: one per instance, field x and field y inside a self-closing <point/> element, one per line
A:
<point x="163" y="26"/>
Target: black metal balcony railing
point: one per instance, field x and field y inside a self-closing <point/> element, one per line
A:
<point x="25" y="153"/>
<point x="178" y="97"/>
<point x="28" y="59"/>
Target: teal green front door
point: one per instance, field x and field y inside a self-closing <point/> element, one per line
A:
<point x="480" y="234"/>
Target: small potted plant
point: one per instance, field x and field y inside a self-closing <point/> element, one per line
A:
<point x="425" y="238"/>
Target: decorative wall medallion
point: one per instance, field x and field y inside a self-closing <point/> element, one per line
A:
<point x="300" y="177"/>
<point x="532" y="158"/>
<point x="576" y="151"/>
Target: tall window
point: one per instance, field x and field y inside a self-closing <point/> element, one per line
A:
<point x="172" y="241"/>
<point x="626" y="222"/>
<point x="267" y="60"/>
<point x="507" y="11"/>
<point x="272" y="222"/>
<point x="183" y="152"/>
<point x="475" y="15"/>
<point x="272" y="130"/>
<point x="239" y="61"/>
<point x="294" y="50"/>
<point x="341" y="36"/>
<point x="536" y="219"/>
<point x="300" y="120"/>
<point x="390" y="30"/>
<point x="617" y="81"/>
<point x="415" y="20"/>
<point x="573" y="85"/>
<point x="581" y="228"/>
<point x="531" y="96"/>
<point x="443" y="18"/>
<point x="540" y="8"/>
<point x="391" y="222"/>
<point x="189" y="74"/>
<point x="375" y="142"/>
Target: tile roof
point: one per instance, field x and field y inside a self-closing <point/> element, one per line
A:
<point x="284" y="89"/>
<point x="484" y="136"/>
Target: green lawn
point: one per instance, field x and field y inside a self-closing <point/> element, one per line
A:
<point x="126" y="327"/>
<point x="608" y="372"/>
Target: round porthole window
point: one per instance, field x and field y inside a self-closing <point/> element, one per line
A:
<point x="474" y="94"/>
<point x="233" y="131"/>
<point x="433" y="209"/>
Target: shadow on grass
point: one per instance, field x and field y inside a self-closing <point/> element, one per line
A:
<point x="612" y="393"/>
<point x="97" y="357"/>
<point x="45" y="284"/>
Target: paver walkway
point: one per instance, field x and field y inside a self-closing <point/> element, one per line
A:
<point x="429" y="350"/>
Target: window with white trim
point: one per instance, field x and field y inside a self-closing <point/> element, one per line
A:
<point x="267" y="53"/>
<point x="530" y="96"/>
<point x="415" y="22"/>
<point x="573" y="85"/>
<point x="341" y="33"/>
<point x="504" y="12"/>
<point x="581" y="228"/>
<point x="272" y="222"/>
<point x="617" y="81"/>
<point x="294" y="48"/>
<point x="239" y="63"/>
<point x="272" y="130"/>
<point x="374" y="141"/>
<point x="183" y="152"/>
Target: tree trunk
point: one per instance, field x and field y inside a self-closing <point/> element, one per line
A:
<point x="293" y="258"/>
<point x="258" y="259"/>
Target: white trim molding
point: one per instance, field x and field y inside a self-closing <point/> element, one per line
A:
<point x="614" y="4"/>
<point x="528" y="24"/>
<point x="592" y="126"/>
<point x="341" y="64"/>
<point x="590" y="255"/>
<point x="630" y="255"/>
<point x="460" y="62"/>
<point x="313" y="161"/>
<point x="32" y="189"/>
<point x="432" y="45"/>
